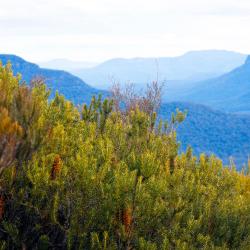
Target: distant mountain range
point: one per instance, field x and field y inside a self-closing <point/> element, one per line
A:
<point x="192" y="66"/>
<point x="229" y="92"/>
<point x="205" y="129"/>
<point x="72" y="87"/>
<point x="65" y="64"/>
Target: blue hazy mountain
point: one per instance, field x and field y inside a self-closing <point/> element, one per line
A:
<point x="210" y="131"/>
<point x="72" y="87"/>
<point x="204" y="129"/>
<point x="65" y="64"/>
<point x="192" y="66"/>
<point x="229" y="92"/>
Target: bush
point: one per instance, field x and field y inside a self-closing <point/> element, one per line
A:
<point x="102" y="179"/>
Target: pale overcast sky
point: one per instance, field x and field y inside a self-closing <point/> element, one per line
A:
<point x="95" y="30"/>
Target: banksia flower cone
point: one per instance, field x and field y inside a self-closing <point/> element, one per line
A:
<point x="56" y="168"/>
<point x="13" y="174"/>
<point x="2" y="203"/>
<point x="127" y="218"/>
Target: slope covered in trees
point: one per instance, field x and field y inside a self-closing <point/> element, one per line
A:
<point x="212" y="131"/>
<point x="229" y="92"/>
<point x="104" y="178"/>
<point x="72" y="87"/>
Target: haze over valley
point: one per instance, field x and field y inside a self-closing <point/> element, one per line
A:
<point x="217" y="79"/>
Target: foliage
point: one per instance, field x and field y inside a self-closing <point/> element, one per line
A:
<point x="228" y="135"/>
<point x="210" y="131"/>
<point x="72" y="87"/>
<point x="99" y="179"/>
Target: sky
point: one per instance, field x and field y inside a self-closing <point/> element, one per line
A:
<point x="97" y="30"/>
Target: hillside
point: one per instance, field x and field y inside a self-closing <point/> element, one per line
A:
<point x="210" y="131"/>
<point x="104" y="179"/>
<point x="72" y="87"/>
<point x="229" y="92"/>
<point x="228" y="135"/>
<point x="195" y="65"/>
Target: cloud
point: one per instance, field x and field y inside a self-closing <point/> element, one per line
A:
<point x="100" y="29"/>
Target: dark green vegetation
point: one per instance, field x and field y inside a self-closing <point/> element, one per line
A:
<point x="212" y="132"/>
<point x="72" y="87"/>
<point x="229" y="92"/>
<point x="101" y="178"/>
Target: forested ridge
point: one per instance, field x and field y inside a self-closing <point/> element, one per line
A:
<point x="101" y="177"/>
<point x="211" y="131"/>
<point x="67" y="84"/>
<point x="227" y="136"/>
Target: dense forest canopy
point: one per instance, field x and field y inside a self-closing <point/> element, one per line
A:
<point x="98" y="177"/>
